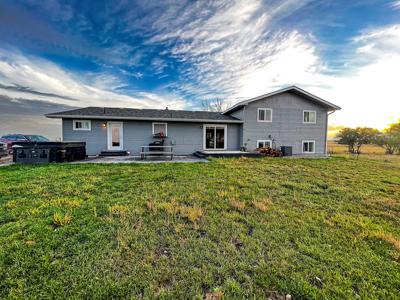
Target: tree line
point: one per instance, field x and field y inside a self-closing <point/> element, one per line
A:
<point x="354" y="138"/>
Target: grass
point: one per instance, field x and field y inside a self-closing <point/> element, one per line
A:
<point x="232" y="228"/>
<point x="335" y="148"/>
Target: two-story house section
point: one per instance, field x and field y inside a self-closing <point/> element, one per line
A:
<point x="288" y="117"/>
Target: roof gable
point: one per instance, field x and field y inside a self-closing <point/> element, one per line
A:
<point x="292" y="89"/>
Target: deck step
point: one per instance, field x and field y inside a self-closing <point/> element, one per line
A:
<point x="199" y="154"/>
<point x="114" y="153"/>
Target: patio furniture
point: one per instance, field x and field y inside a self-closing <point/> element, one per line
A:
<point x="156" y="151"/>
<point x="158" y="144"/>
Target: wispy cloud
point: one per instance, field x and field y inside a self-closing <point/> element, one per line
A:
<point x="57" y="85"/>
<point x="367" y="89"/>
<point x="28" y="90"/>
<point x="234" y="50"/>
<point x="226" y="43"/>
<point x="32" y="86"/>
<point x="396" y="4"/>
<point x="194" y="50"/>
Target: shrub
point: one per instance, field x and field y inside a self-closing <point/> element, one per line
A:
<point x="390" y="140"/>
<point x="354" y="138"/>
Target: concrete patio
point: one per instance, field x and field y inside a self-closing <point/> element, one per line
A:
<point x="6" y="161"/>
<point x="138" y="160"/>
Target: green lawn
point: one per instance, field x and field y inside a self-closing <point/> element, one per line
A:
<point x="236" y="228"/>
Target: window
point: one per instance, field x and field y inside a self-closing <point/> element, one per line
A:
<point x="309" y="116"/>
<point x="10" y="137"/>
<point x="82" y="125"/>
<point x="15" y="137"/>
<point x="160" y="129"/>
<point x="264" y="115"/>
<point x="214" y="137"/>
<point x="308" y="146"/>
<point x="264" y="143"/>
<point x="37" y="138"/>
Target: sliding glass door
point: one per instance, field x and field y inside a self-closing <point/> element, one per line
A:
<point x="214" y="137"/>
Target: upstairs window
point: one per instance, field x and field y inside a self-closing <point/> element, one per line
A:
<point x="308" y="146"/>
<point x="264" y="115"/>
<point x="264" y="143"/>
<point x="160" y="129"/>
<point x="309" y="116"/>
<point x="82" y="125"/>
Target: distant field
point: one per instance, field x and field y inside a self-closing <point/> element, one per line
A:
<point x="231" y="228"/>
<point x="335" y="148"/>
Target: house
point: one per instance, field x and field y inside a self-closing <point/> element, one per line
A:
<point x="287" y="117"/>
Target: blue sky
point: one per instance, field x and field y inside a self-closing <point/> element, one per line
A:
<point x="56" y="55"/>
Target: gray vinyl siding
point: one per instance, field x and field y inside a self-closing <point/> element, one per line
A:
<point x="286" y="128"/>
<point x="239" y="114"/>
<point x="186" y="138"/>
<point x="96" y="138"/>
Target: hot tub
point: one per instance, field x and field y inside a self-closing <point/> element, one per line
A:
<point x="46" y="152"/>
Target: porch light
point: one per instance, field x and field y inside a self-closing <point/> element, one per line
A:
<point x="104" y="125"/>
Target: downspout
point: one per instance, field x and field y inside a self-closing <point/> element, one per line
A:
<point x="244" y="123"/>
<point x="326" y="131"/>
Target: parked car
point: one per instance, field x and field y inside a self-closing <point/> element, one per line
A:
<point x="3" y="149"/>
<point x="10" y="139"/>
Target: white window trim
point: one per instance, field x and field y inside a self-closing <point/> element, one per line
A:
<point x="258" y="115"/>
<point x="159" y="123"/>
<point x="264" y="141"/>
<point x="315" y="112"/>
<point x="81" y="129"/>
<point x="225" y="137"/>
<point x="109" y="136"/>
<point x="307" y="141"/>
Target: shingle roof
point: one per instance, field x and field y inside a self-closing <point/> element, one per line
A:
<point x="144" y="114"/>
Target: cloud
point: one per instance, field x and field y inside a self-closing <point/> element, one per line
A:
<point x="367" y="90"/>
<point x="19" y="26"/>
<point x="31" y="87"/>
<point x="26" y="116"/>
<point x="158" y="65"/>
<point x="29" y="106"/>
<point x="396" y="4"/>
<point x="224" y="43"/>
<point x="59" y="86"/>
<point x="228" y="49"/>
<point x="235" y="50"/>
<point x="22" y="26"/>
<point x="28" y="90"/>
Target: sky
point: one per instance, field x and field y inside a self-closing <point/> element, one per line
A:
<point x="59" y="55"/>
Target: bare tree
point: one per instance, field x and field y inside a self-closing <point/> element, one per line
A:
<point x="217" y="105"/>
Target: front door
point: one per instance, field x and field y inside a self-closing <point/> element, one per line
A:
<point x="115" y="136"/>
